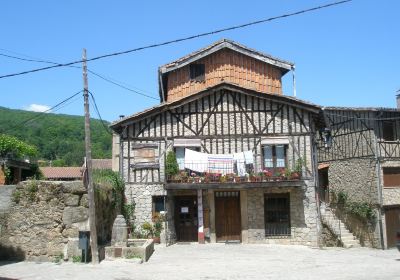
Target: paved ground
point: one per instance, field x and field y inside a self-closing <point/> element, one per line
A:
<point x="219" y="261"/>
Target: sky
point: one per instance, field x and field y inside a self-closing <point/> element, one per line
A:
<point x="346" y="55"/>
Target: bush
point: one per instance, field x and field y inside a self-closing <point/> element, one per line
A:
<point x="171" y="165"/>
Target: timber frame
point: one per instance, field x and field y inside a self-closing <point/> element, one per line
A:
<point x="227" y="119"/>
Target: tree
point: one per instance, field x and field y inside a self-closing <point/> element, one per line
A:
<point x="11" y="146"/>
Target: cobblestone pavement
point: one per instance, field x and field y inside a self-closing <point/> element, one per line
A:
<point x="220" y="261"/>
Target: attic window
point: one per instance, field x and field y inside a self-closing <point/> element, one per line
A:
<point x="197" y="72"/>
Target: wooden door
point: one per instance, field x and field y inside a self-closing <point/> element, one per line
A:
<point x="392" y="218"/>
<point x="186" y="218"/>
<point x="227" y="216"/>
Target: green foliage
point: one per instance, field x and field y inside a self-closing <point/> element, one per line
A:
<point x="59" y="138"/>
<point x="76" y="259"/>
<point x="300" y="162"/>
<point x="342" y="197"/>
<point x="133" y="256"/>
<point x="158" y="225"/>
<point x="148" y="229"/>
<point x="58" y="258"/>
<point x="361" y="209"/>
<point x="16" y="148"/>
<point x="33" y="173"/>
<point x="16" y="196"/>
<point x="172" y="167"/>
<point x="113" y="180"/>
<point x="31" y="190"/>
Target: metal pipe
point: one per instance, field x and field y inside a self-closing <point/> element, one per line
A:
<point x="294" y="80"/>
<point x="379" y="187"/>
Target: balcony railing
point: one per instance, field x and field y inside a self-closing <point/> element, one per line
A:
<point x="389" y="149"/>
<point x="227" y="172"/>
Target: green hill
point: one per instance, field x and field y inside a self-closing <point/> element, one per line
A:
<point x="59" y="138"/>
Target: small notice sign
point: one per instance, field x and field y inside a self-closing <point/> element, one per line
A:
<point x="184" y="209"/>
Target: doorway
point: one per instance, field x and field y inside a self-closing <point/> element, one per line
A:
<point x="227" y="216"/>
<point x="186" y="222"/>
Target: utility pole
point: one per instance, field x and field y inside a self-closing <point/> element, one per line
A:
<point x="88" y="180"/>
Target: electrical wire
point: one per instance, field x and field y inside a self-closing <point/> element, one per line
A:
<point x="110" y="80"/>
<point x="98" y="114"/>
<point x="42" y="114"/>
<point x="180" y="39"/>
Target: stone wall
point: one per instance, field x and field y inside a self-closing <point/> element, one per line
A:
<point x="45" y="217"/>
<point x="356" y="177"/>
<point x="391" y="196"/>
<point x="141" y="195"/>
<point x="303" y="216"/>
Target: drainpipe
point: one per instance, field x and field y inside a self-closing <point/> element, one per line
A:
<point x="379" y="187"/>
<point x="316" y="190"/>
<point x="294" y="80"/>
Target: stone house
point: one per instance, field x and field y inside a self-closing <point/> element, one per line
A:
<point x="237" y="140"/>
<point x="362" y="162"/>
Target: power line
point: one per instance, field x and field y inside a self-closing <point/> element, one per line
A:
<point x="41" y="114"/>
<point x="98" y="114"/>
<point x="112" y="81"/>
<point x="121" y="86"/>
<point x="180" y="39"/>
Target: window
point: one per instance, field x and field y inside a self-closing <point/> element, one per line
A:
<point x="277" y="214"/>
<point x="388" y="131"/>
<point x="145" y="155"/>
<point x="391" y="176"/>
<point x="158" y="205"/>
<point x="274" y="156"/>
<point x="197" y="72"/>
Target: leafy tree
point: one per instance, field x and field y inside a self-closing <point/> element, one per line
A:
<point x="10" y="145"/>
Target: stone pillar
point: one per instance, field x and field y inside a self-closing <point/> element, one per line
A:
<point x="200" y="224"/>
<point x="244" y="216"/>
<point x="213" y="237"/>
<point x="119" y="235"/>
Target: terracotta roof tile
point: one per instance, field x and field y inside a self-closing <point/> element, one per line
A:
<point x="101" y="163"/>
<point x="62" y="172"/>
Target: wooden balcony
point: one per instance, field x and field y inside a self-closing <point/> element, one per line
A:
<point x="389" y="149"/>
<point x="230" y="176"/>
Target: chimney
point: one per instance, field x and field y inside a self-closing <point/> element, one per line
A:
<point x="398" y="99"/>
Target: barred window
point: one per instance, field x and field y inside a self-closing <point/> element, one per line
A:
<point x="277" y="214"/>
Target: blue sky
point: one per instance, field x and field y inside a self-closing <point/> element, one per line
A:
<point x="346" y="55"/>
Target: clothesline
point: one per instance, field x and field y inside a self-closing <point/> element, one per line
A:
<point x="218" y="163"/>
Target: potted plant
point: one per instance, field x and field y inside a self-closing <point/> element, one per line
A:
<point x="184" y="176"/>
<point x="267" y="174"/>
<point x="298" y="168"/>
<point x="157" y="228"/>
<point x="230" y="177"/>
<point x="148" y="229"/>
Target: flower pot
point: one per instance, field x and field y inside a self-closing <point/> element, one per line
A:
<point x="156" y="240"/>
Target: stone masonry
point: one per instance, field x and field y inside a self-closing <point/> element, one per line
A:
<point x="303" y="216"/>
<point x="142" y="195"/>
<point x="44" y="219"/>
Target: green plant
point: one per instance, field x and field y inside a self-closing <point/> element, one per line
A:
<point x="16" y="196"/>
<point x="342" y="197"/>
<point x="361" y="209"/>
<point x="32" y="189"/>
<point x="58" y="258"/>
<point x="158" y="225"/>
<point x="12" y="146"/>
<point x="172" y="167"/>
<point x="300" y="162"/>
<point x="148" y="229"/>
<point x="76" y="259"/>
<point x="133" y="255"/>
<point x="288" y="173"/>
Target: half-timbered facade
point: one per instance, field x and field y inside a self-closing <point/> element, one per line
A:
<point x="238" y="142"/>
<point x="362" y="161"/>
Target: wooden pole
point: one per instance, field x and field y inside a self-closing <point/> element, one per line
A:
<point x="89" y="181"/>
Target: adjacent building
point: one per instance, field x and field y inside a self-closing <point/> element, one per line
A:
<point x="362" y="164"/>
<point x="246" y="168"/>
